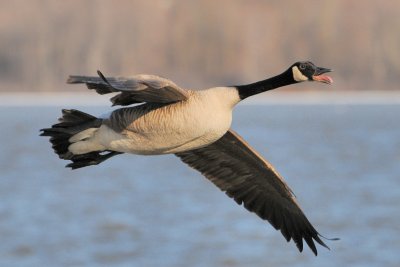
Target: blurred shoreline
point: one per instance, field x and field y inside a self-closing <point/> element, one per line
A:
<point x="195" y="44"/>
<point x="270" y="98"/>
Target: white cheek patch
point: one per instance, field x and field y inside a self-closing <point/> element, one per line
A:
<point x="298" y="76"/>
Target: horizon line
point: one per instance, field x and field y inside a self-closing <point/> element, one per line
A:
<point x="18" y="99"/>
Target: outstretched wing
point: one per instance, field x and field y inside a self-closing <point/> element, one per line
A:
<point x="136" y="89"/>
<point x="232" y="165"/>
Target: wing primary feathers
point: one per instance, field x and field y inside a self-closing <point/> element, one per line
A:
<point x="105" y="79"/>
<point x="238" y="170"/>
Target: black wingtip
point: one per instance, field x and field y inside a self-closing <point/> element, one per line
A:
<point x="329" y="239"/>
<point x="103" y="77"/>
<point x="319" y="241"/>
<point x="106" y="81"/>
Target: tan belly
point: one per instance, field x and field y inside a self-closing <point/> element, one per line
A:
<point x="174" y="128"/>
<point x="166" y="138"/>
<point x="154" y="144"/>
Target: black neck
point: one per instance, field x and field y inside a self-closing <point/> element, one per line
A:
<point x="280" y="80"/>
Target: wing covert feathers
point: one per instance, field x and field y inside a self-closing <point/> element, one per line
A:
<point x="136" y="89"/>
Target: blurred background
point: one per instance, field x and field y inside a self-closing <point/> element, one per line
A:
<point x="198" y="43"/>
<point x="338" y="151"/>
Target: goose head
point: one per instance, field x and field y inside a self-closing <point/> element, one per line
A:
<point x="298" y="72"/>
<point x="306" y="71"/>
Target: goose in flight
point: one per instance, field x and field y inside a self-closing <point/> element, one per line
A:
<point x="195" y="126"/>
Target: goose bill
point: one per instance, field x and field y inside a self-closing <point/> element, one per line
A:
<point x="319" y="77"/>
<point x="322" y="78"/>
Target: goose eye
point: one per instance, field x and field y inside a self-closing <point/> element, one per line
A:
<point x="302" y="66"/>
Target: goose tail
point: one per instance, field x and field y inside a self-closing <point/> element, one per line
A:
<point x="72" y="139"/>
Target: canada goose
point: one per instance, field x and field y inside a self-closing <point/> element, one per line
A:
<point x="195" y="126"/>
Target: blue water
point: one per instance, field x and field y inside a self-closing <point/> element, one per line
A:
<point x="342" y="162"/>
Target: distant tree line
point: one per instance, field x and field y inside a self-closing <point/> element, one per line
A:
<point x="197" y="43"/>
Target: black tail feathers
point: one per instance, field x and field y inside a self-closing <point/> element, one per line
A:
<point x="92" y="158"/>
<point x="71" y="123"/>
